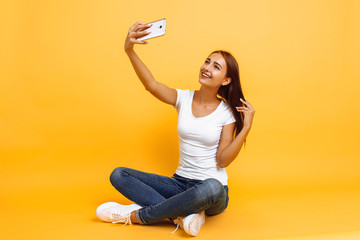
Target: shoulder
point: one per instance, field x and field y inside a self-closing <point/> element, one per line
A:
<point x="225" y="106"/>
<point x="227" y="113"/>
<point x="183" y="95"/>
<point x="183" y="92"/>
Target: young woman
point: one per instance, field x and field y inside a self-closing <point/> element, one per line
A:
<point x="213" y="123"/>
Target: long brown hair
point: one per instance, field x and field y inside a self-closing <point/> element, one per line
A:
<point x="232" y="92"/>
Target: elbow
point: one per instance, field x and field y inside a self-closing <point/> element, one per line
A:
<point x="150" y="88"/>
<point x="221" y="164"/>
<point x="224" y="162"/>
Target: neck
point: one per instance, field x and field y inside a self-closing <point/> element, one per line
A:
<point x="207" y="96"/>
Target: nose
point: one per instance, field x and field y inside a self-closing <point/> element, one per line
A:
<point x="207" y="67"/>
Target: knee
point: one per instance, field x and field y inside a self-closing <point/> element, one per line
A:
<point x="214" y="189"/>
<point x="117" y="175"/>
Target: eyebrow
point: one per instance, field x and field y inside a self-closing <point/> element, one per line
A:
<point x="215" y="62"/>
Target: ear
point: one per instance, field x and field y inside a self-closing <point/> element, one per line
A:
<point x="226" y="81"/>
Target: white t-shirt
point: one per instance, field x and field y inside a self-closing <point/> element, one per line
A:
<point x="199" y="139"/>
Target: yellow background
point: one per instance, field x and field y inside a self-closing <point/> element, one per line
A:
<point x="72" y="109"/>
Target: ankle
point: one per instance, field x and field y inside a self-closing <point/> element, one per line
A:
<point x="133" y="218"/>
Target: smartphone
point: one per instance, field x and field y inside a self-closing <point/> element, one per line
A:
<point x="156" y="30"/>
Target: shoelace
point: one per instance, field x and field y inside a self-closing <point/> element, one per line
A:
<point x="121" y="218"/>
<point x="178" y="223"/>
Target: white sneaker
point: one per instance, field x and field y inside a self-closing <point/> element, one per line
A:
<point x="192" y="223"/>
<point x="115" y="212"/>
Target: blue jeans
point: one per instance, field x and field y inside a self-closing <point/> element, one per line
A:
<point x="164" y="197"/>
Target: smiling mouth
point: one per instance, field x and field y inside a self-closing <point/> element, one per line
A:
<point x="205" y="75"/>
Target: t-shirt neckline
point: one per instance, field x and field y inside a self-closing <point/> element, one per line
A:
<point x="191" y="102"/>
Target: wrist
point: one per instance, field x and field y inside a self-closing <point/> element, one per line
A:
<point x="129" y="51"/>
<point x="246" y="128"/>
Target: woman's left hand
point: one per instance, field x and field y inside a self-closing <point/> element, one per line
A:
<point x="248" y="111"/>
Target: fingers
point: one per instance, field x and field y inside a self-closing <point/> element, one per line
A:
<point x="135" y="36"/>
<point x="242" y="109"/>
<point x="140" y="42"/>
<point x="139" y="26"/>
<point x="136" y="25"/>
<point x="134" y="40"/>
<point x="142" y="27"/>
<point x="138" y="31"/>
<point x="139" y="34"/>
<point x="246" y="103"/>
<point x="146" y="26"/>
<point x="246" y="107"/>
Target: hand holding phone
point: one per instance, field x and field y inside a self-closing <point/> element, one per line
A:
<point x="141" y="31"/>
<point x="157" y="29"/>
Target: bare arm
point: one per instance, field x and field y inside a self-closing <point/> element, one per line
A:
<point x="228" y="148"/>
<point x="157" y="89"/>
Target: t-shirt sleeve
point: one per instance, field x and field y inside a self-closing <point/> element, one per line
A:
<point x="229" y="116"/>
<point x="181" y="97"/>
<point x="178" y="98"/>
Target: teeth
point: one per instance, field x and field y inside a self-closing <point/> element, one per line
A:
<point x="205" y="75"/>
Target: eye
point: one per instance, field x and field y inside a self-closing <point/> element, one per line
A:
<point x="207" y="61"/>
<point x="217" y="67"/>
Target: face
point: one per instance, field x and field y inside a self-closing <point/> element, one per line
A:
<point x="213" y="71"/>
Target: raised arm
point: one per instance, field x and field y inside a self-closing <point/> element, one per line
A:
<point x="229" y="148"/>
<point x="157" y="89"/>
